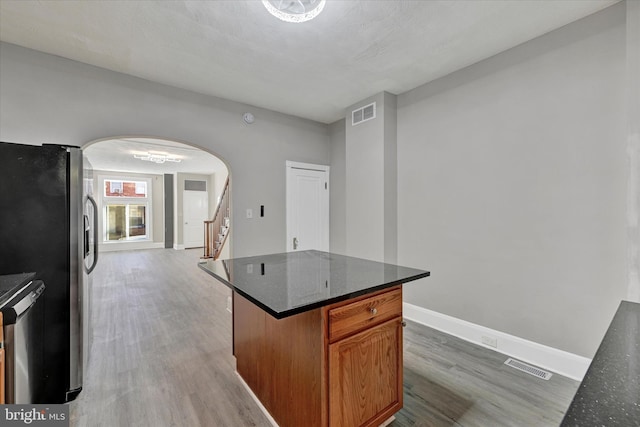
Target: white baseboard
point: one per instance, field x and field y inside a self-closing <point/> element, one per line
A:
<point x="255" y="399"/>
<point x="182" y="247"/>
<point x="129" y="246"/>
<point x="559" y="361"/>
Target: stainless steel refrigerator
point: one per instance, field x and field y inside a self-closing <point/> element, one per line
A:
<point x="48" y="225"/>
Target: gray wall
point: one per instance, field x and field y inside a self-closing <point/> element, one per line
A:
<point x="371" y="181"/>
<point x="169" y="208"/>
<point x="338" y="193"/>
<point x="365" y="183"/>
<point x="390" y="170"/>
<point x="48" y="98"/>
<point x="511" y="187"/>
<point x="633" y="150"/>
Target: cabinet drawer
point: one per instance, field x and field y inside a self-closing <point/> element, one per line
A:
<point x="354" y="317"/>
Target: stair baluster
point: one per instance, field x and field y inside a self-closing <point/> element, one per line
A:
<point x="217" y="230"/>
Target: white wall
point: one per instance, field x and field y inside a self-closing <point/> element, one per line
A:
<point x="48" y="98"/>
<point x="511" y="187"/>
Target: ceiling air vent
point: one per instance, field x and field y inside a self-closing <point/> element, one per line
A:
<point x="363" y="114"/>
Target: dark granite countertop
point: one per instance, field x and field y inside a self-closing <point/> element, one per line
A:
<point x="290" y="283"/>
<point x="609" y="394"/>
<point x="11" y="283"/>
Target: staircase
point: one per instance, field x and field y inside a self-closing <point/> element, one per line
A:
<point x="217" y="230"/>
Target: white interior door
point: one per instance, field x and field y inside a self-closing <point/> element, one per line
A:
<point x="195" y="210"/>
<point x="307" y="207"/>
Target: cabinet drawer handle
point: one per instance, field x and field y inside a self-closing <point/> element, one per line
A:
<point x="374" y="311"/>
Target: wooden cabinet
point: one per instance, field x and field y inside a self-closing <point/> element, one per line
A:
<point x="337" y="366"/>
<point x="355" y="316"/>
<point x="365" y="376"/>
<point x="282" y="362"/>
<point x="365" y="360"/>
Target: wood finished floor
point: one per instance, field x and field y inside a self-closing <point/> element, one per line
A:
<point x="161" y="356"/>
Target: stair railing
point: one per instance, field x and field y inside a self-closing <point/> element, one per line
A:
<point x="217" y="230"/>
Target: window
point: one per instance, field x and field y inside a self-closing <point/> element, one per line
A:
<point x="126" y="210"/>
<point x="113" y="188"/>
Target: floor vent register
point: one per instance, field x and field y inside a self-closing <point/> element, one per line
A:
<point x="531" y="370"/>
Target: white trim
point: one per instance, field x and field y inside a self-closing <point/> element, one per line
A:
<point x="129" y="245"/>
<point x="290" y="166"/>
<point x="559" y="361"/>
<point x="200" y="243"/>
<point x="104" y="200"/>
<point x="389" y="421"/>
<point x="178" y="247"/>
<point x="309" y="166"/>
<point x="255" y="399"/>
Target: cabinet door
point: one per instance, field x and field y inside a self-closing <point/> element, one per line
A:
<point x="365" y="376"/>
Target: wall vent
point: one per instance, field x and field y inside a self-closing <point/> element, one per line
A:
<point x="531" y="370"/>
<point x="368" y="112"/>
<point x="192" y="185"/>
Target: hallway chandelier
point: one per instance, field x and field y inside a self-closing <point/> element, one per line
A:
<point x="158" y="158"/>
<point x="294" y="10"/>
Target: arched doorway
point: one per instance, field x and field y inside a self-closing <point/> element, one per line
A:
<point x="154" y="193"/>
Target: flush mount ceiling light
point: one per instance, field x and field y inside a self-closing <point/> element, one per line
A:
<point x="294" y="10"/>
<point x="157" y="157"/>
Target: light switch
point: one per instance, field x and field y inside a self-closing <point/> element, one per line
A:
<point x="249" y="213"/>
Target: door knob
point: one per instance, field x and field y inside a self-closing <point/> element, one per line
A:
<point x="295" y="243"/>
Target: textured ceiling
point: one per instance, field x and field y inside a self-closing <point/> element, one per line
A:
<point x="236" y="50"/>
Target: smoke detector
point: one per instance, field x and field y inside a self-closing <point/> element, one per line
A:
<point x="248" y="118"/>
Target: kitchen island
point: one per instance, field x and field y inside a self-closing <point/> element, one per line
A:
<point x="318" y="336"/>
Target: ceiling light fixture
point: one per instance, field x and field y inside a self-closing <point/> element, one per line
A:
<point x="158" y="158"/>
<point x="294" y="10"/>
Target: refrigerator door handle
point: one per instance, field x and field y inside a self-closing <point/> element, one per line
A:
<point x="95" y="234"/>
<point x="87" y="230"/>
